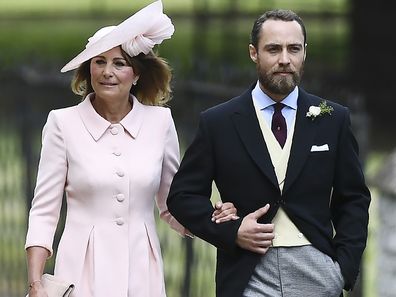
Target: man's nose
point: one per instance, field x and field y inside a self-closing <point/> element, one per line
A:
<point x="284" y="58"/>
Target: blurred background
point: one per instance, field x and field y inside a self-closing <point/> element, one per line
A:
<point x="350" y="60"/>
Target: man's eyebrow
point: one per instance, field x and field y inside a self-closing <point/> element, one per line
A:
<point x="279" y="45"/>
<point x="295" y="44"/>
<point x="271" y="45"/>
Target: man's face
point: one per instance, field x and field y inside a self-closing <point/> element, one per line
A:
<point x="279" y="57"/>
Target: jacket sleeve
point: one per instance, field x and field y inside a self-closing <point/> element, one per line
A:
<point x="189" y="197"/>
<point x="50" y="184"/>
<point x="170" y="164"/>
<point x="349" y="206"/>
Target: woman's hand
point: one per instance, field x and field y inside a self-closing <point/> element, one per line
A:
<point x="37" y="290"/>
<point x="224" y="212"/>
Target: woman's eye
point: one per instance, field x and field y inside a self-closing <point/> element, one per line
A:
<point x="119" y="64"/>
<point x="100" y="62"/>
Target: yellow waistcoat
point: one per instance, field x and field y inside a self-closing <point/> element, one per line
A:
<point x="286" y="232"/>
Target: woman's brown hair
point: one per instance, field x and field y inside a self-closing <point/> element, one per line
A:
<point x="152" y="88"/>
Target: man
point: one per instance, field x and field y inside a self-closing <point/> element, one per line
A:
<point x="289" y="163"/>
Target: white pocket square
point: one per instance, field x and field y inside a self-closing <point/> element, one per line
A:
<point x="320" y="148"/>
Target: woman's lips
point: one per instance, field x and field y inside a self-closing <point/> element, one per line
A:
<point x="108" y="84"/>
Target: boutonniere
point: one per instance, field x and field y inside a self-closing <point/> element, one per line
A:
<point x="322" y="109"/>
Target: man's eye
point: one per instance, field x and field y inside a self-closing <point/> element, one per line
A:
<point x="295" y="49"/>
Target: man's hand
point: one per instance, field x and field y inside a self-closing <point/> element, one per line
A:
<point x="253" y="236"/>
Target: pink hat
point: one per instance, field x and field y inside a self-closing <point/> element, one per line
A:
<point x="137" y="34"/>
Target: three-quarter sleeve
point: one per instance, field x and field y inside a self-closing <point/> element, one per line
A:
<point x="50" y="184"/>
<point x="170" y="165"/>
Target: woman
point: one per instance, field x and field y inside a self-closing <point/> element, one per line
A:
<point x="112" y="154"/>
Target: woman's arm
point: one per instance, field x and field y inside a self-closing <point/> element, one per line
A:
<point x="170" y="165"/>
<point x="51" y="178"/>
<point x="36" y="257"/>
<point x="46" y="204"/>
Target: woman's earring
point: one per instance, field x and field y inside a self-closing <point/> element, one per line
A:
<point x="135" y="81"/>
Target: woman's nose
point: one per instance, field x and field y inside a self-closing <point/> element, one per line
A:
<point x="108" y="70"/>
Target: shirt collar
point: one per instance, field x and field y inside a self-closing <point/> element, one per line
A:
<point x="97" y="125"/>
<point x="263" y="100"/>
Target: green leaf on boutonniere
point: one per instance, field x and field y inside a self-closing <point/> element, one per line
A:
<point x="320" y="110"/>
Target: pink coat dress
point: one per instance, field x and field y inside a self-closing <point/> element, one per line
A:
<point x="112" y="174"/>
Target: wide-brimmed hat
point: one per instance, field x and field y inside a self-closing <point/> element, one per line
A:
<point x="137" y="34"/>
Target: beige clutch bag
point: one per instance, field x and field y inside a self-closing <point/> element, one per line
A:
<point x="56" y="287"/>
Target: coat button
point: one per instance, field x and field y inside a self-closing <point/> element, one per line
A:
<point x="114" y="130"/>
<point x="300" y="235"/>
<point x="120" y="197"/>
<point x="120" y="173"/>
<point x="117" y="153"/>
<point x="119" y="221"/>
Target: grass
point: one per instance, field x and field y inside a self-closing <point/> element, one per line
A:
<point x="12" y="211"/>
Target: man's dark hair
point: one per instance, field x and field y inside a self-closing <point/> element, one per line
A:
<point x="278" y="14"/>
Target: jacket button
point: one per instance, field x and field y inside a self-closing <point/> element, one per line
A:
<point x="117" y="153"/>
<point x="120" y="197"/>
<point x="300" y="235"/>
<point x="120" y="221"/>
<point x="120" y="173"/>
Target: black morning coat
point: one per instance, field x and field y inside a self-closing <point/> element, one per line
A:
<point x="322" y="190"/>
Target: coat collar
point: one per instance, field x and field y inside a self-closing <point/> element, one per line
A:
<point x="97" y="125"/>
<point x="246" y="123"/>
<point x="304" y="133"/>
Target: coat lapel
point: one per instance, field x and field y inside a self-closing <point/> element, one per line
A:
<point x="304" y="132"/>
<point x="246" y="123"/>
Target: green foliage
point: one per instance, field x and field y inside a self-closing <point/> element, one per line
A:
<point x="12" y="211"/>
<point x="67" y="7"/>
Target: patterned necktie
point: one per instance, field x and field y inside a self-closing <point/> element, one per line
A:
<point x="278" y="125"/>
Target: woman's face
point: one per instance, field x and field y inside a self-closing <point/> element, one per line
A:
<point x="111" y="76"/>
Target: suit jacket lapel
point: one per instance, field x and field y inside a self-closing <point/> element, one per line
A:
<point x="304" y="132"/>
<point x="246" y="123"/>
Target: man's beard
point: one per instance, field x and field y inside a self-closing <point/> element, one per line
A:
<point x="278" y="84"/>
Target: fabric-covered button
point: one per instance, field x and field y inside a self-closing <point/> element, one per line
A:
<point x="114" y="130"/>
<point x="120" y="197"/>
<point x="119" y="221"/>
